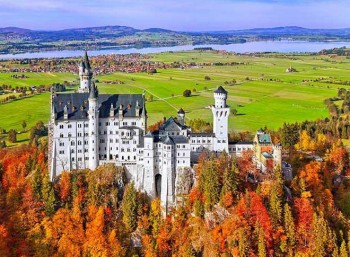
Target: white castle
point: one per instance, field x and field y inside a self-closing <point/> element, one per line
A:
<point x="88" y="129"/>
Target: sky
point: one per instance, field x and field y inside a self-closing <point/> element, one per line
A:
<point x="179" y="15"/>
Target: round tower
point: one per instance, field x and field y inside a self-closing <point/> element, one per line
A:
<point x="93" y="127"/>
<point x="277" y="155"/>
<point x="85" y="74"/>
<point x="220" y="119"/>
<point x="220" y="96"/>
<point x="181" y="116"/>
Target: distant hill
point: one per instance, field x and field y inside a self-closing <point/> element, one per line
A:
<point x="19" y="40"/>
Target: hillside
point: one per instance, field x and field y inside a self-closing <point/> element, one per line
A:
<point x="18" y="40"/>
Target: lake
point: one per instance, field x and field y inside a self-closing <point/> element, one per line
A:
<point x="283" y="46"/>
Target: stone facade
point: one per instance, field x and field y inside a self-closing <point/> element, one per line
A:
<point x="88" y="129"/>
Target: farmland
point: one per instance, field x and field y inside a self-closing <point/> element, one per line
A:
<point x="263" y="93"/>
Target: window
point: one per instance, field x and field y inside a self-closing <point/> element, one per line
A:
<point x="61" y="143"/>
<point x="69" y="125"/>
<point x="79" y="159"/>
<point x="79" y="142"/>
<point x="61" y="126"/>
<point x="86" y="125"/>
<point x="79" y="134"/>
<point x="133" y="123"/>
<point x="72" y="143"/>
<point x="69" y="134"/>
<point x="61" y="135"/>
<point x="79" y="125"/>
<point x="61" y="152"/>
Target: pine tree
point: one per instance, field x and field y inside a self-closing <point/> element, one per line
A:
<point x="129" y="207"/>
<point x="343" y="250"/>
<point x="229" y="187"/>
<point x="211" y="185"/>
<point x="320" y="231"/>
<point x="37" y="183"/>
<point x="276" y="198"/>
<point x="261" y="242"/>
<point x="289" y="227"/>
<point x="48" y="196"/>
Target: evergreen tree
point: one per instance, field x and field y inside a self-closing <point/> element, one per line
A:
<point x="343" y="250"/>
<point x="261" y="243"/>
<point x="129" y="207"/>
<point x="276" y="198"/>
<point x="211" y="185"/>
<point x="37" y="183"/>
<point x="289" y="227"/>
<point x="48" y="196"/>
<point x="229" y="187"/>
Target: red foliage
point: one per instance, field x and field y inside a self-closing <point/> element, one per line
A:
<point x="304" y="213"/>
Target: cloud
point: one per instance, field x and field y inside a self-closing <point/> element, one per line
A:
<point x="185" y="15"/>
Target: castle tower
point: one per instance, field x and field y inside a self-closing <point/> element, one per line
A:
<point x="93" y="127"/>
<point x="277" y="155"/>
<point x="220" y="119"/>
<point x="85" y="74"/>
<point x="181" y="116"/>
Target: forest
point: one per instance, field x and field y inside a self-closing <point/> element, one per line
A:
<point x="84" y="213"/>
<point x="101" y="213"/>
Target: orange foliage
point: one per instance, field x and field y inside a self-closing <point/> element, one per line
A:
<point x="304" y="213"/>
<point x="65" y="186"/>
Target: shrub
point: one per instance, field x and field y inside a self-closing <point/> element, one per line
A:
<point x="187" y="93"/>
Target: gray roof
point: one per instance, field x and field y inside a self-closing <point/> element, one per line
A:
<point x="172" y="125"/>
<point x="241" y="143"/>
<point x="86" y="61"/>
<point x="78" y="105"/>
<point x="181" y="111"/>
<point x="220" y="90"/>
<point x="93" y="91"/>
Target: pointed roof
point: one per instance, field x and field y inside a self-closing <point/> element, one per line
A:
<point x="181" y="111"/>
<point x="86" y="61"/>
<point x="93" y="91"/>
<point x="220" y="90"/>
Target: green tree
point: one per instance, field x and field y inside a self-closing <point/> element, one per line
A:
<point x="289" y="227"/>
<point x="24" y="125"/>
<point x="187" y="93"/>
<point x="129" y="207"/>
<point x="261" y="242"/>
<point x="48" y="196"/>
<point x="229" y="183"/>
<point x="276" y="197"/>
<point x="12" y="136"/>
<point x="210" y="184"/>
<point x="343" y="251"/>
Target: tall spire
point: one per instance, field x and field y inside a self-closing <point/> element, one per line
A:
<point x="86" y="61"/>
<point x="93" y="91"/>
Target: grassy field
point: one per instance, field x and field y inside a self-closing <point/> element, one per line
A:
<point x="264" y="94"/>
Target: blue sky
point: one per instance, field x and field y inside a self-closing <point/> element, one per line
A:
<point x="182" y="15"/>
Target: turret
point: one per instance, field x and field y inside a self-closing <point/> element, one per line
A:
<point x="93" y="127"/>
<point x="220" y="119"/>
<point x="137" y="109"/>
<point x="277" y="155"/>
<point x="181" y="116"/>
<point x="111" y="111"/>
<point x="85" y="74"/>
<point x="220" y="96"/>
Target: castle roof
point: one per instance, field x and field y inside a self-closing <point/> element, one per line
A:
<point x="181" y="111"/>
<point x="93" y="91"/>
<point x="264" y="138"/>
<point x="171" y="124"/>
<point x="78" y="105"/>
<point x="86" y="61"/>
<point x="220" y="90"/>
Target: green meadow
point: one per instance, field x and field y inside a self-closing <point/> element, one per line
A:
<point x="264" y="93"/>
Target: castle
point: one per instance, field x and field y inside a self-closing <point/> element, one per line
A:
<point x="88" y="129"/>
